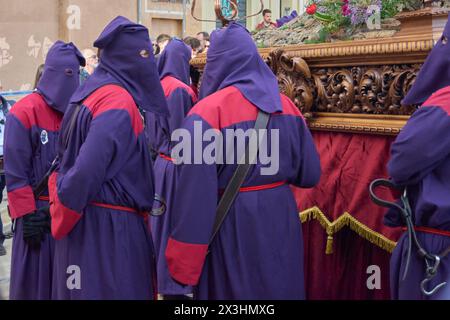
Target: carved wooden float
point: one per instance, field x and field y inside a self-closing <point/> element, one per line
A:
<point x="356" y="86"/>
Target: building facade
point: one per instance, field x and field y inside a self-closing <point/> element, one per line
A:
<point x="28" y="28"/>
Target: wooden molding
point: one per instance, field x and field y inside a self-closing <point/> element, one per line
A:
<point x="354" y="123"/>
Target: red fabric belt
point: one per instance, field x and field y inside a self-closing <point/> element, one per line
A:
<point x="120" y="208"/>
<point x="263" y="186"/>
<point x="260" y="187"/>
<point x="244" y="189"/>
<point x="165" y="157"/>
<point x="430" y="231"/>
<point x="107" y="206"/>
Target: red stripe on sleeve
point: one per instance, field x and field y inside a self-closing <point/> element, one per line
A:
<point x="441" y="99"/>
<point x="63" y="218"/>
<point x="21" y="202"/>
<point x="225" y="108"/>
<point x="228" y="106"/>
<point x="32" y="110"/>
<point x="185" y="260"/>
<point x="113" y="97"/>
<point x="170" y="84"/>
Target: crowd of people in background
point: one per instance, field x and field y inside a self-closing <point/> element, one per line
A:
<point x="267" y="22"/>
<point x="198" y="44"/>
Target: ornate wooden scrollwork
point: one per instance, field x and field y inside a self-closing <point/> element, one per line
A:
<point x="371" y="90"/>
<point x="294" y="78"/>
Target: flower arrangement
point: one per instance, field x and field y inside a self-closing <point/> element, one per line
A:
<point x="338" y="14"/>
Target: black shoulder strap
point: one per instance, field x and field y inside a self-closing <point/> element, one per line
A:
<point x="73" y="121"/>
<point x="238" y="178"/>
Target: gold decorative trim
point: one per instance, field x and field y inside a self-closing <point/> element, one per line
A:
<point x="383" y="46"/>
<point x="357" y="123"/>
<point x="346" y="219"/>
<point x="418" y="46"/>
<point x="199" y="61"/>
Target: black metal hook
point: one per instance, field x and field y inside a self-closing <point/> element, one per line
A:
<point x="431" y="268"/>
<point x="430" y="274"/>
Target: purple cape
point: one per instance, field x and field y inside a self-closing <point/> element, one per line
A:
<point x="286" y="19"/>
<point x="233" y="60"/>
<point x="127" y="60"/>
<point x="61" y="77"/>
<point x="435" y="72"/>
<point x="174" y="61"/>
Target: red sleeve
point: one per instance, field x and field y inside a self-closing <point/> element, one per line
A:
<point x="63" y="218"/>
<point x="18" y="167"/>
<point x="21" y="202"/>
<point x="185" y="261"/>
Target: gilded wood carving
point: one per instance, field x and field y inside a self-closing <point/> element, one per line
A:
<point x="354" y="89"/>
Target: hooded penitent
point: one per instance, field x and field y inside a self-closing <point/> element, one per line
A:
<point x="61" y="75"/>
<point x="174" y="61"/>
<point x="104" y="185"/>
<point x="127" y="59"/>
<point x="420" y="162"/>
<point x="31" y="139"/>
<point x="173" y="66"/>
<point x="435" y="72"/>
<point x="233" y="60"/>
<point x="262" y="222"/>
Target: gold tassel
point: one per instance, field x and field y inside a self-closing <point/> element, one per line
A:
<point x="329" y="248"/>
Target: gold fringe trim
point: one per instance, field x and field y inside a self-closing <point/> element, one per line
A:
<point x="346" y="219"/>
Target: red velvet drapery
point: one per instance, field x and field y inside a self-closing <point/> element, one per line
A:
<point x="344" y="215"/>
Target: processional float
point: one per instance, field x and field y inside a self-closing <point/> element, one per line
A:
<point x="350" y="94"/>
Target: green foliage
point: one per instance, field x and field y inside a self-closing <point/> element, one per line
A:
<point x="336" y="15"/>
<point x="391" y="7"/>
<point x="323" y="36"/>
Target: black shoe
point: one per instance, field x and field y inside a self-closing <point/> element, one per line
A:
<point x="2" y="250"/>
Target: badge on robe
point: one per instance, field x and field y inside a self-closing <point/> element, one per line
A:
<point x="44" y="137"/>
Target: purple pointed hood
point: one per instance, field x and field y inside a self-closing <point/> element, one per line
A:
<point x="126" y="59"/>
<point x="435" y="72"/>
<point x="61" y="75"/>
<point x="233" y="60"/>
<point x="174" y="61"/>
